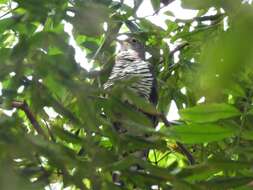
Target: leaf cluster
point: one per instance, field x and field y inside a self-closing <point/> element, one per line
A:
<point x="56" y="124"/>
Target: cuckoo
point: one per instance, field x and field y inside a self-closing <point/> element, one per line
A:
<point x="130" y="62"/>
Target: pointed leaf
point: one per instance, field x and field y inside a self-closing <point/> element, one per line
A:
<point x="208" y="112"/>
<point x="200" y="133"/>
<point x="155" y="4"/>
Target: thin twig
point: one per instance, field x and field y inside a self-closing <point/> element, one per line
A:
<point x="181" y="146"/>
<point x="45" y="172"/>
<point x="10" y="11"/>
<point x="186" y="153"/>
<point x="202" y="18"/>
<point x="167" y="2"/>
<point x="156" y="162"/>
<point x="164" y="156"/>
<point x="178" y="48"/>
<point x="24" y="107"/>
<point x="155" y="12"/>
<point x="49" y="131"/>
<point x="96" y="73"/>
<point x="109" y="37"/>
<point x="158" y="10"/>
<point x="146" y="16"/>
<point x="164" y="120"/>
<point x="71" y="3"/>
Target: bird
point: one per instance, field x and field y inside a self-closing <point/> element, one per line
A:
<point x="130" y="62"/>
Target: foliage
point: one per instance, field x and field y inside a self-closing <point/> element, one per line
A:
<point x="77" y="147"/>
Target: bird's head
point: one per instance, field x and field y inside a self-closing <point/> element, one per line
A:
<point x="131" y="43"/>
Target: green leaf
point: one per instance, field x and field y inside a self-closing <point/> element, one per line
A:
<point x="250" y="112"/>
<point x="125" y="111"/>
<point x="208" y="113"/>
<point x="67" y="136"/>
<point x="247" y="134"/>
<point x="137" y="4"/>
<point x="6" y="24"/>
<point x="199" y="133"/>
<point x="3" y="1"/>
<point x="169" y="13"/>
<point x="89" y="18"/>
<point x="199" y="4"/>
<point x="132" y="26"/>
<point x="206" y="169"/>
<point x="155" y="4"/>
<point x="227" y="183"/>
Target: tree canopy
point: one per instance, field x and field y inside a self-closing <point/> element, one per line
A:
<point x="56" y="122"/>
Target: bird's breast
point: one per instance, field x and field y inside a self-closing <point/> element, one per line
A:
<point x="141" y="70"/>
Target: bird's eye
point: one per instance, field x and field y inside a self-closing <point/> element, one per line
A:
<point x="134" y="40"/>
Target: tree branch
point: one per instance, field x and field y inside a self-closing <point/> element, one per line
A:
<point x="8" y="12"/>
<point x="172" y="52"/>
<point x="202" y="18"/>
<point x="164" y="120"/>
<point x="167" y="123"/>
<point x="186" y="153"/>
<point x="178" y="48"/>
<point x="24" y="107"/>
<point x="182" y="148"/>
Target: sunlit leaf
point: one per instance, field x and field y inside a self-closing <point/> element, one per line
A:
<point x="200" y="133"/>
<point x="208" y="112"/>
